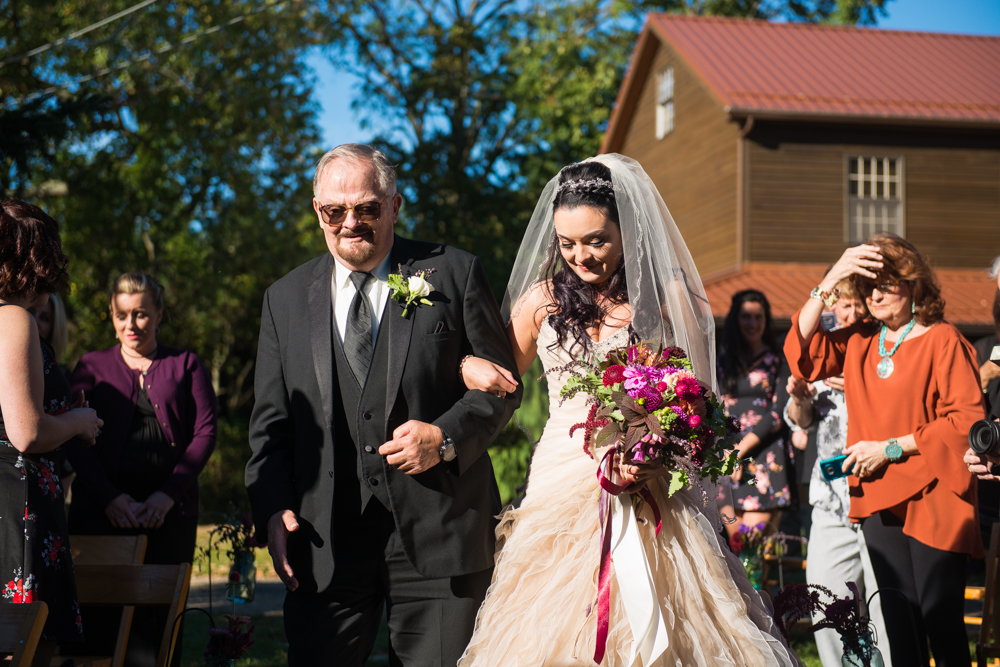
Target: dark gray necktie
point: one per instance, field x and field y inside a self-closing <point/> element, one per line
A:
<point x="358" y="335"/>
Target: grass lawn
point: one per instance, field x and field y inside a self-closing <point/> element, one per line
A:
<point x="271" y="649"/>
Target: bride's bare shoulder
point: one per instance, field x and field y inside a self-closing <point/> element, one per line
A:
<point x="537" y="303"/>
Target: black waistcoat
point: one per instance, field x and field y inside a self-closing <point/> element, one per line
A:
<point x="360" y="427"/>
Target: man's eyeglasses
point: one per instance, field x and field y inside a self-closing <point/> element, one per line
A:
<point x="885" y="286"/>
<point x="368" y="211"/>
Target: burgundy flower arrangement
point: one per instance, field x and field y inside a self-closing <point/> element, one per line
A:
<point x="227" y="644"/>
<point x="798" y="601"/>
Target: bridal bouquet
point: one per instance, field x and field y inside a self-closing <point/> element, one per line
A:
<point x="646" y="405"/>
<point x="649" y="405"/>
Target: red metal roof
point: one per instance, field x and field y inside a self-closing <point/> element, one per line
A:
<point x="968" y="293"/>
<point x="794" y="68"/>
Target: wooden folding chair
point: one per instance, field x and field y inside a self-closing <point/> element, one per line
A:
<point x="108" y="550"/>
<point x="989" y="631"/>
<point x="136" y="586"/>
<point x="20" y="629"/>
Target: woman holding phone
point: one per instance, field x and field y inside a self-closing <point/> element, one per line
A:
<point x="912" y="392"/>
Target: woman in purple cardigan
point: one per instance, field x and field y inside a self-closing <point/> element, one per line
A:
<point x="160" y="429"/>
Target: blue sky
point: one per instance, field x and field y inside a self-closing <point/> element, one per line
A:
<point x="973" y="17"/>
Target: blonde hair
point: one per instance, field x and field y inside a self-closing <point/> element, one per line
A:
<point x="138" y="283"/>
<point x="60" y="327"/>
<point x="846" y="290"/>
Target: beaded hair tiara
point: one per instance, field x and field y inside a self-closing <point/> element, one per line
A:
<point x="595" y="185"/>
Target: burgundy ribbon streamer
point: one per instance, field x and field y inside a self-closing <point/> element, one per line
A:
<point x="648" y="497"/>
<point x="604" y="574"/>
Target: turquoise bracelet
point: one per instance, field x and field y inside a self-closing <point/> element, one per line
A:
<point x="893" y="451"/>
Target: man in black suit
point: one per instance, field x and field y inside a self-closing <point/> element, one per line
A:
<point x="369" y="472"/>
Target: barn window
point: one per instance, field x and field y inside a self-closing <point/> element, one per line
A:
<point x="874" y="196"/>
<point x="665" y="103"/>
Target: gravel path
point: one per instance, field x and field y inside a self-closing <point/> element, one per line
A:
<point x="268" y="598"/>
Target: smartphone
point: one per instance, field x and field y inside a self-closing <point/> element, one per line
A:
<point x="831" y="468"/>
<point x="828" y="321"/>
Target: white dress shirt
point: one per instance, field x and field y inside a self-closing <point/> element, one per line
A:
<point x="343" y="291"/>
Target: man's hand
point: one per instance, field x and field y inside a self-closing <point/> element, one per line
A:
<point x="981" y="466"/>
<point x="414" y="447"/>
<point x="278" y="527"/>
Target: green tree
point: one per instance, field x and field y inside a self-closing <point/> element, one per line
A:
<point x="198" y="170"/>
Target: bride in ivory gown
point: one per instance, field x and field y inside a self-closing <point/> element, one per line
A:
<point x="602" y="263"/>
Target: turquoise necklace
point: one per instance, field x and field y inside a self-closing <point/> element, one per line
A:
<point x="885" y="365"/>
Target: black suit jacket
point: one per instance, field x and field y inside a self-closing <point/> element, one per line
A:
<point x="445" y="516"/>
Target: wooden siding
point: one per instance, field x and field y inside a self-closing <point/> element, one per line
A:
<point x="694" y="167"/>
<point x="797" y="202"/>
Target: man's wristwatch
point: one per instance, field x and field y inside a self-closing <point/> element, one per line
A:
<point x="447" y="448"/>
<point x="829" y="299"/>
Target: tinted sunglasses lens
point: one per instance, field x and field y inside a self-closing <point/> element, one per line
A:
<point x="368" y="212"/>
<point x="334" y="214"/>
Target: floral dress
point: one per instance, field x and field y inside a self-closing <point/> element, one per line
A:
<point x="35" y="561"/>
<point x="768" y="474"/>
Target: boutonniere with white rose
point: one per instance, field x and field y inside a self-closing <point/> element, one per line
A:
<point x="412" y="290"/>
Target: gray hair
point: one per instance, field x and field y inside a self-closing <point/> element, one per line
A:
<point x="995" y="269"/>
<point x="385" y="172"/>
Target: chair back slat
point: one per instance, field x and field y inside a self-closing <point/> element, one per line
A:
<point x="108" y="549"/>
<point x="21" y="629"/>
<point x="138" y="586"/>
<point x="118" y="585"/>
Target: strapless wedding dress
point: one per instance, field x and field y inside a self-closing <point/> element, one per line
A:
<point x="540" y="608"/>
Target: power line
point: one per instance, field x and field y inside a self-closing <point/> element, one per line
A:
<point x="163" y="49"/>
<point x="78" y="33"/>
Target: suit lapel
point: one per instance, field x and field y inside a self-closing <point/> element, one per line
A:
<point x="400" y="329"/>
<point x="321" y="331"/>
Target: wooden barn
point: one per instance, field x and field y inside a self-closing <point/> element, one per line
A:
<point x="776" y="146"/>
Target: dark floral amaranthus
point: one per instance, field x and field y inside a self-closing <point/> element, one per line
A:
<point x="231" y="642"/>
<point x="648" y="404"/>
<point x="798" y="601"/>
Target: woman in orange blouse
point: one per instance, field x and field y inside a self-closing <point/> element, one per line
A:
<point x="912" y="390"/>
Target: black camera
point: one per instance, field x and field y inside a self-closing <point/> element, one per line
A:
<point x="984" y="437"/>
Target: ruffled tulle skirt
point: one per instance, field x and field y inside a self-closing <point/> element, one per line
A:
<point x="540" y="608"/>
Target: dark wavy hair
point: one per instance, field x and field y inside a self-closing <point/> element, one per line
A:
<point x="902" y="261"/>
<point x="31" y="256"/>
<point x="736" y="354"/>
<point x="577" y="306"/>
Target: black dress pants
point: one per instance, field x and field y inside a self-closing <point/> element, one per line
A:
<point x="430" y="620"/>
<point x="932" y="582"/>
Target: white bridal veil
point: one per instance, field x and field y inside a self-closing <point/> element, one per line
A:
<point x="664" y="289"/>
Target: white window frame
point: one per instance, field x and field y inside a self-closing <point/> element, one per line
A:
<point x="665" y="83"/>
<point x="873" y="209"/>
